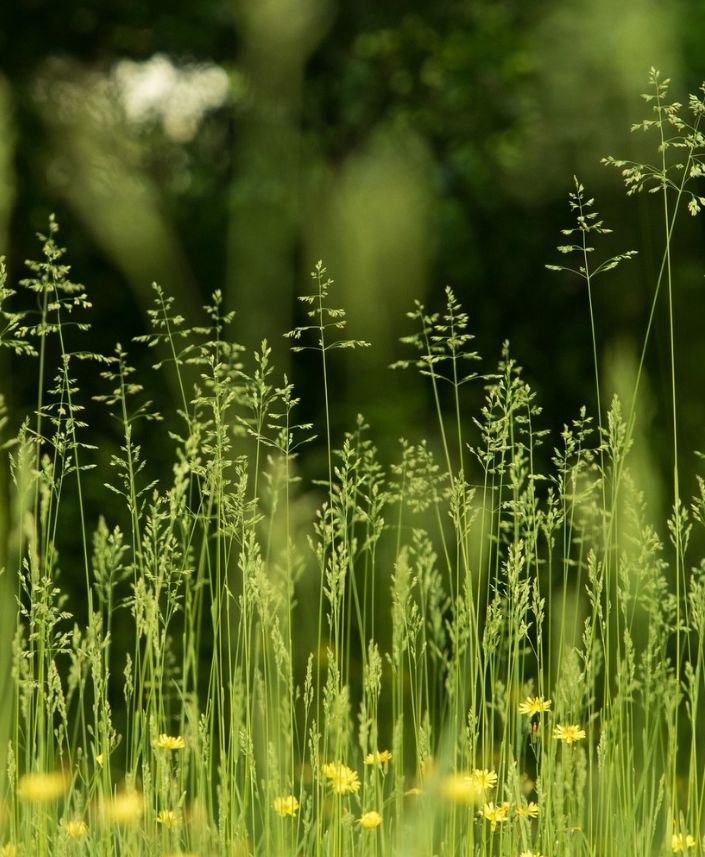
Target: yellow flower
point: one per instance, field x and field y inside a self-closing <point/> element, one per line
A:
<point x="100" y="759"/>
<point x="529" y="810"/>
<point x="378" y="758"/>
<point x="76" y="828"/>
<point x="169" y="742"/>
<point x="125" y="807"/>
<point x="286" y="805"/>
<point x="534" y="705"/>
<point x="168" y="818"/>
<point x="678" y="843"/>
<point x="494" y="814"/>
<point x="459" y="788"/>
<point x="569" y="734"/>
<point x="370" y="819"/>
<point x="42" y="787"/>
<point x="531" y="854"/>
<point x="483" y="780"/>
<point x="343" y="779"/>
<point x="8" y="850"/>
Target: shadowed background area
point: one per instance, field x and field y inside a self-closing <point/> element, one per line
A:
<point x="230" y="145"/>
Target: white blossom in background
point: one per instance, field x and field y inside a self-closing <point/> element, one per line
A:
<point x="157" y="91"/>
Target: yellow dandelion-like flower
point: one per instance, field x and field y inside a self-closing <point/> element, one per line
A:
<point x="343" y="779"/>
<point x="370" y="819"/>
<point x="42" y="787"/>
<point x="378" y="758"/>
<point x="9" y="850"/>
<point x="286" y="805"/>
<point x="169" y="742"/>
<point x="76" y="828"/>
<point x="459" y="788"/>
<point x="494" y="814"/>
<point x="569" y="734"/>
<point x="680" y="842"/>
<point x="168" y="818"/>
<point x="125" y="807"/>
<point x="529" y="810"/>
<point x="483" y="780"/>
<point x="534" y="705"/>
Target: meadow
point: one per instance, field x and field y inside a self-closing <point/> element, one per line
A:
<point x="455" y="654"/>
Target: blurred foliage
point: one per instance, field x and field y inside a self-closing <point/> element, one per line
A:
<point x="410" y="145"/>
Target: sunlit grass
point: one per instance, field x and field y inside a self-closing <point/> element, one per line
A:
<point x="505" y="661"/>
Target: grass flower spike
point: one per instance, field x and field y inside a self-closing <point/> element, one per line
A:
<point x="370" y="820"/>
<point x="169" y="742"/>
<point x="284" y="806"/>
<point x="534" y="705"/>
<point x="569" y="734"/>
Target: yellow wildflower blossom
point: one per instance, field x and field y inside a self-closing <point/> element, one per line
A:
<point x="378" y="758"/>
<point x="100" y="759"/>
<point x="459" y="788"/>
<point x="168" y="818"/>
<point x="569" y="734"/>
<point x="531" y="854"/>
<point x="494" y="814"/>
<point x="286" y="805"/>
<point x="529" y="810"/>
<point x="370" y="819"/>
<point x="42" y="787"/>
<point x="125" y="807"/>
<point x="343" y="779"/>
<point x="483" y="780"/>
<point x="76" y="828"/>
<point x="9" y="850"/>
<point x="680" y="843"/>
<point x="169" y="742"/>
<point x="534" y="705"/>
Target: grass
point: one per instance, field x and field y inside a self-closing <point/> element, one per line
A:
<point x="457" y="654"/>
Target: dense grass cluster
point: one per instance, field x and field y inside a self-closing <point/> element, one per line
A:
<point x="457" y="654"/>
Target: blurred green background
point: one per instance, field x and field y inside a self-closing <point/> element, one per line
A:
<point x="230" y="144"/>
